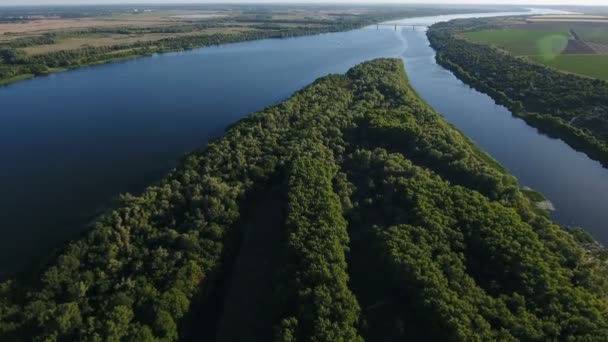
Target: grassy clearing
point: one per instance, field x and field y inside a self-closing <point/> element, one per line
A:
<point x="15" y="79"/>
<point x="523" y="42"/>
<point x="595" y="32"/>
<point x="72" y="43"/>
<point x="97" y="40"/>
<point x="588" y="65"/>
<point x="38" y="27"/>
<point x="541" y="205"/>
<point x="533" y="195"/>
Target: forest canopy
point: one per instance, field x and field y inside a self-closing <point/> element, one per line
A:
<point x="382" y="220"/>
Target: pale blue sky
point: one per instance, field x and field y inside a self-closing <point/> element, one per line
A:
<point x="510" y="2"/>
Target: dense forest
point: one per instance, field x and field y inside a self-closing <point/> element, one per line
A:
<point x="571" y="107"/>
<point x="352" y="211"/>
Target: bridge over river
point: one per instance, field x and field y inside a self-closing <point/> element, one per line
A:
<point x="413" y="26"/>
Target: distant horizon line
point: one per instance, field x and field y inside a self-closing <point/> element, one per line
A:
<point x="313" y="2"/>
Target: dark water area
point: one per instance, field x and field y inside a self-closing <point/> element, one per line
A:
<point x="71" y="142"/>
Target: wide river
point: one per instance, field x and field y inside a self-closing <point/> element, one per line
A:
<point x="71" y="142"/>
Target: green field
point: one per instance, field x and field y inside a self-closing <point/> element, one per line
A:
<point x="595" y="35"/>
<point x="546" y="47"/>
<point x="523" y="42"/>
<point x="15" y="79"/>
<point x="588" y="65"/>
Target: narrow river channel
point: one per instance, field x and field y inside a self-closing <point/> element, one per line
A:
<point x="71" y="142"/>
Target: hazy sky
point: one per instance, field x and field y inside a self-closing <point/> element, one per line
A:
<point x="512" y="2"/>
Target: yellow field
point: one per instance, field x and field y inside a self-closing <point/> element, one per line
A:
<point x="96" y="40"/>
<point x="570" y="18"/>
<point x="16" y="30"/>
<point x="71" y="34"/>
<point x="37" y="27"/>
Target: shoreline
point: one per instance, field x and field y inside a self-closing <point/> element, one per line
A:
<point x="551" y="126"/>
<point x="145" y="50"/>
<point x="240" y="38"/>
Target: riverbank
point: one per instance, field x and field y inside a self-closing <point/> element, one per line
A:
<point x="19" y="64"/>
<point x="552" y="126"/>
<point x="174" y="44"/>
<point x="550" y="103"/>
<point x="140" y="114"/>
<point x="570" y="179"/>
<point x="17" y="78"/>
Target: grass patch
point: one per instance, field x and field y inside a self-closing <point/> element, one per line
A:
<point x="545" y="46"/>
<point x="533" y="195"/>
<point x="523" y="42"/>
<point x="588" y="65"/>
<point x="98" y="40"/>
<point x="535" y="198"/>
<point x="15" y="79"/>
<point x="581" y="235"/>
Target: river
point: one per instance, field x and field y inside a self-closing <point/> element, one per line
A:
<point x="71" y="142"/>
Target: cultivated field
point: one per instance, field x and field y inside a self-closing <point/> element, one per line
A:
<point x="523" y="42"/>
<point x="49" y="25"/>
<point x="572" y="43"/>
<point x="97" y="40"/>
<point x="129" y="28"/>
<point x="36" y="41"/>
<point x="588" y="65"/>
<point x="593" y="33"/>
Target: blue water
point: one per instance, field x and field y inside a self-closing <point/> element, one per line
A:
<point x="71" y="142"/>
<point x="576" y="185"/>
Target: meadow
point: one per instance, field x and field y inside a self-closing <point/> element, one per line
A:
<point x="574" y="44"/>
<point x="523" y="42"/>
<point x="588" y="65"/>
<point x="77" y="41"/>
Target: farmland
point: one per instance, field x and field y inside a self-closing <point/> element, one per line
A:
<point x="121" y="27"/>
<point x="546" y="90"/>
<point x="589" y="65"/>
<point x="41" y="41"/>
<point x="523" y="42"/>
<point x="112" y="39"/>
<point x="575" y="44"/>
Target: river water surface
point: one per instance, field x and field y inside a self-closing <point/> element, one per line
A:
<point x="71" y="142"/>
